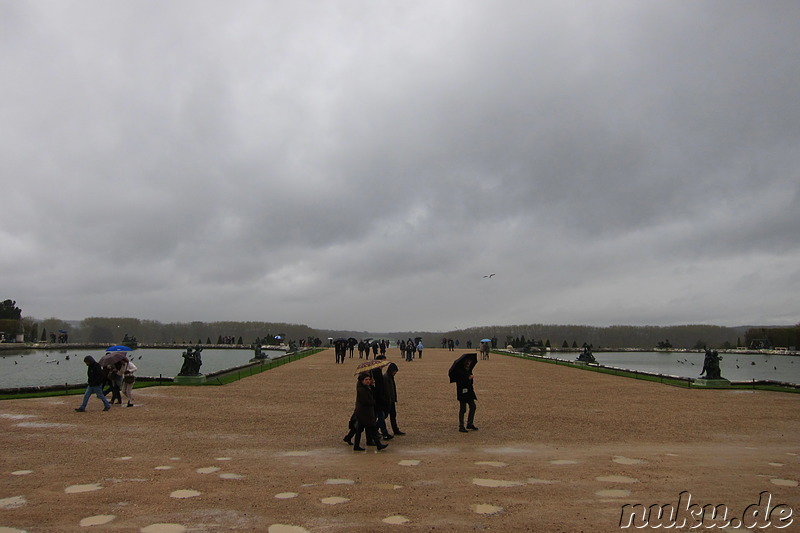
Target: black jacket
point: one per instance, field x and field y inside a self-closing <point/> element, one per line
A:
<point x="95" y="374"/>
<point x="464" y="390"/>
<point x="365" y="406"/>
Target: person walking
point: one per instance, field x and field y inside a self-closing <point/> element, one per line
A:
<point x="381" y="400"/>
<point x="391" y="395"/>
<point x="419" y="349"/>
<point x="95" y="377"/>
<point x="465" y="394"/>
<point x="128" y="379"/>
<point x="113" y="378"/>
<point x="365" y="414"/>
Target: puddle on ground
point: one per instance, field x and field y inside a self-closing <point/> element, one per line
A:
<point x="396" y="520"/>
<point x="498" y="464"/>
<point x="286" y="495"/>
<point x="627" y="460"/>
<point x="485" y="508"/>
<point x="506" y="450"/>
<point x="43" y="425"/>
<point x="163" y="528"/>
<point x="12" y="502"/>
<point x="126" y="458"/>
<point x="184" y="493"/>
<point x="672" y="455"/>
<point x="16" y="417"/>
<point x="74" y="489"/>
<point x="231" y="476"/>
<point x="617" y="479"/>
<point x="775" y="464"/>
<point x="21" y="472"/>
<point x="11" y="530"/>
<point x="163" y="468"/>
<point x="536" y="481"/>
<point x="339" y="481"/>
<point x="388" y="486"/>
<point x="563" y="462"/>
<point x="207" y="470"/>
<point x="409" y="462"/>
<point x="495" y="483"/>
<point x="98" y="520"/>
<point x="334" y="500"/>
<point x="283" y="528"/>
<point x="613" y="493"/>
<point x="223" y="458"/>
<point x="783" y="482"/>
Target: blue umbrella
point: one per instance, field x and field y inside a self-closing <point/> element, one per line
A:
<point x="118" y="348"/>
<point x="486" y="340"/>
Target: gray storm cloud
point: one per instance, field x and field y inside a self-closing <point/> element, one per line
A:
<point x="362" y="164"/>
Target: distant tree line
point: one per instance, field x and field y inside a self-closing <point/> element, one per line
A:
<point x="787" y="337"/>
<point x="113" y="330"/>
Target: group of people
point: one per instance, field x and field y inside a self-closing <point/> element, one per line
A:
<point x="117" y="378"/>
<point x="376" y="400"/>
<point x="409" y="348"/>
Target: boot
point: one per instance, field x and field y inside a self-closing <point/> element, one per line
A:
<point x="357" y="446"/>
<point x="462" y="429"/>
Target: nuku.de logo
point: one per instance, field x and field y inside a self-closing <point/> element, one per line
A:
<point x="687" y="514"/>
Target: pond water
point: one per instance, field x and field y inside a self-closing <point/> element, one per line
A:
<point x="734" y="366"/>
<point x="33" y="368"/>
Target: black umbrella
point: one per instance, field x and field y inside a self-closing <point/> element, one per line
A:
<point x="459" y="363"/>
<point x="112" y="358"/>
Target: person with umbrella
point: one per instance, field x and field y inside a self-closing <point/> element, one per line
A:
<point x="364" y="414"/>
<point x="111" y="363"/>
<point x="461" y="374"/>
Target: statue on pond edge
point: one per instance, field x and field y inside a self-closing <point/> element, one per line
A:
<point x="587" y="356"/>
<point x="191" y="362"/>
<point x="711" y="368"/>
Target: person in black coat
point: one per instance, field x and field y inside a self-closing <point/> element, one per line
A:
<point x="381" y="396"/>
<point x="465" y="393"/>
<point x="95" y="377"/>
<point x="391" y="394"/>
<point x="364" y="414"/>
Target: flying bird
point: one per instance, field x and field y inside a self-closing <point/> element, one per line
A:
<point x="489" y="275"/>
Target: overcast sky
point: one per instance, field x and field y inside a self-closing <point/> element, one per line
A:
<point x="364" y="164"/>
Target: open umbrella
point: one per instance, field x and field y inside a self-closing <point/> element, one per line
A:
<point x="112" y="358"/>
<point x="458" y="363"/>
<point x="366" y="366"/>
<point x="118" y="348"/>
<point x="486" y="340"/>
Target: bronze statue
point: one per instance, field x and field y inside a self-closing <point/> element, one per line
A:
<point x="191" y="362"/>
<point x="711" y="365"/>
<point x="587" y="356"/>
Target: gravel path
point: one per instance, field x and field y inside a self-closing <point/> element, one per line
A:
<point x="558" y="449"/>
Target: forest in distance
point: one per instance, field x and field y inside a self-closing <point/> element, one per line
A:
<point x="112" y="330"/>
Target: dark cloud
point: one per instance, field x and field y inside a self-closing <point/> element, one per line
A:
<point x="361" y="165"/>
